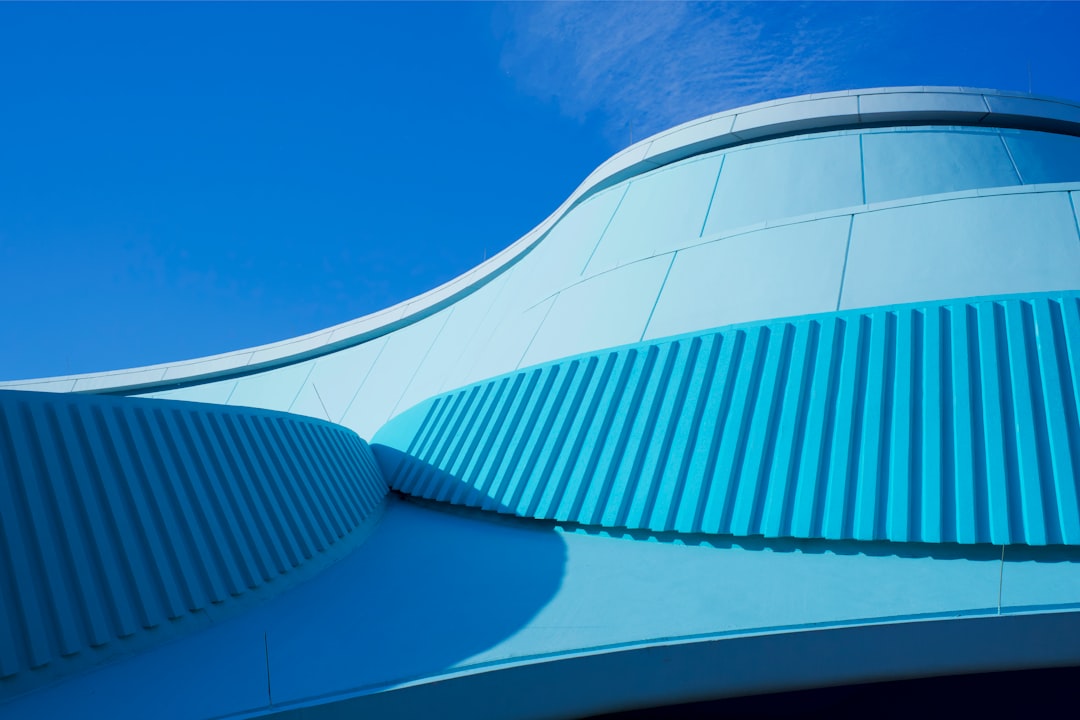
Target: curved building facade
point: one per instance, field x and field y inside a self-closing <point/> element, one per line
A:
<point x="786" y="397"/>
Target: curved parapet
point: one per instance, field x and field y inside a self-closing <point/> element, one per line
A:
<point x="757" y="196"/>
<point x="124" y="521"/>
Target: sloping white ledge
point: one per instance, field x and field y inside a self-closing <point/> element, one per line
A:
<point x="799" y="115"/>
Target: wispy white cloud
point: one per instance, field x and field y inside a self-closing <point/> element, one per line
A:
<point x="654" y="65"/>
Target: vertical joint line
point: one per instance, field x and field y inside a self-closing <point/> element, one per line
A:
<point x="266" y="650"/>
<point x="301" y="388"/>
<point x="434" y="340"/>
<point x="236" y="384"/>
<point x="658" y="294"/>
<point x="862" y="168"/>
<point x="1012" y="160"/>
<point x="843" y="271"/>
<point x="542" y="321"/>
<point x="318" y="395"/>
<point x="604" y="231"/>
<point x="1001" y="578"/>
<point x="712" y="197"/>
<point x="386" y="341"/>
<point x="1076" y="218"/>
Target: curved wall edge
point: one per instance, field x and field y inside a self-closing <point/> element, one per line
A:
<point x="125" y="522"/>
<point x="674" y="672"/>
<point x="801" y="115"/>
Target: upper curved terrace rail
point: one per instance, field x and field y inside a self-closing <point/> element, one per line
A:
<point x="753" y="123"/>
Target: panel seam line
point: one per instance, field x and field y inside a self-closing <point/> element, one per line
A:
<point x="712" y="197"/>
<point x="538" y="327"/>
<point x="364" y="381"/>
<point x="862" y="168"/>
<point x="843" y="271"/>
<point x="434" y="340"/>
<point x="1076" y="217"/>
<point x="302" y="384"/>
<point x="1012" y="160"/>
<point x="659" y="292"/>
<point x="606" y="226"/>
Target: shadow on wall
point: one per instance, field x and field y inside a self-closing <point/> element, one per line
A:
<point x="427" y="591"/>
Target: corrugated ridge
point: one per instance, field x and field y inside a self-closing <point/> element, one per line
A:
<point x="953" y="421"/>
<point x="120" y="515"/>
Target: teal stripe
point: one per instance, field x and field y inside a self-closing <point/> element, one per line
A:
<point x="951" y="421"/>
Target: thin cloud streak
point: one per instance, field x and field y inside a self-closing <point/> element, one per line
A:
<point x="656" y="65"/>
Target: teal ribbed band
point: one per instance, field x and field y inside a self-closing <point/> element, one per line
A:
<point x="122" y="517"/>
<point x="936" y="422"/>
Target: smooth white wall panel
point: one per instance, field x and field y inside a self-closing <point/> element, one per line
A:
<point x="508" y="342"/>
<point x="779" y="272"/>
<point x="214" y="392"/>
<point x="560" y="257"/>
<point x="378" y="397"/>
<point x="1044" y="157"/>
<point x="912" y="162"/>
<point x="457" y="337"/>
<point x="967" y="247"/>
<point x="661" y="211"/>
<point x="786" y="178"/>
<point x="609" y="309"/>
<point x="273" y="390"/>
<point x="479" y="337"/>
<point x="335" y="380"/>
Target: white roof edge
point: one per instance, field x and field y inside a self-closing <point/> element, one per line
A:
<point x="796" y="115"/>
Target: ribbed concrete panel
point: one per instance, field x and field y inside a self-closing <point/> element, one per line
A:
<point x="121" y="517"/>
<point x="945" y="422"/>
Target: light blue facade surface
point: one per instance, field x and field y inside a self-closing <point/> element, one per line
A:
<point x="786" y="397"/>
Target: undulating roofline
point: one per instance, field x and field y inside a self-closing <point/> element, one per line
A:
<point x="820" y="112"/>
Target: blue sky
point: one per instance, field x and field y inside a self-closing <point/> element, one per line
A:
<point x="178" y="180"/>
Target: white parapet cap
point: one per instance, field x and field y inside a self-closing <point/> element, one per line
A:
<point x="821" y="112"/>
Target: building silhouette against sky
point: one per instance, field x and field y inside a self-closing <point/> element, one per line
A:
<point x="783" y="398"/>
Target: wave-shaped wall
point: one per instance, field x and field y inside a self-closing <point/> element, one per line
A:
<point x="125" y="521"/>
<point x="836" y="201"/>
